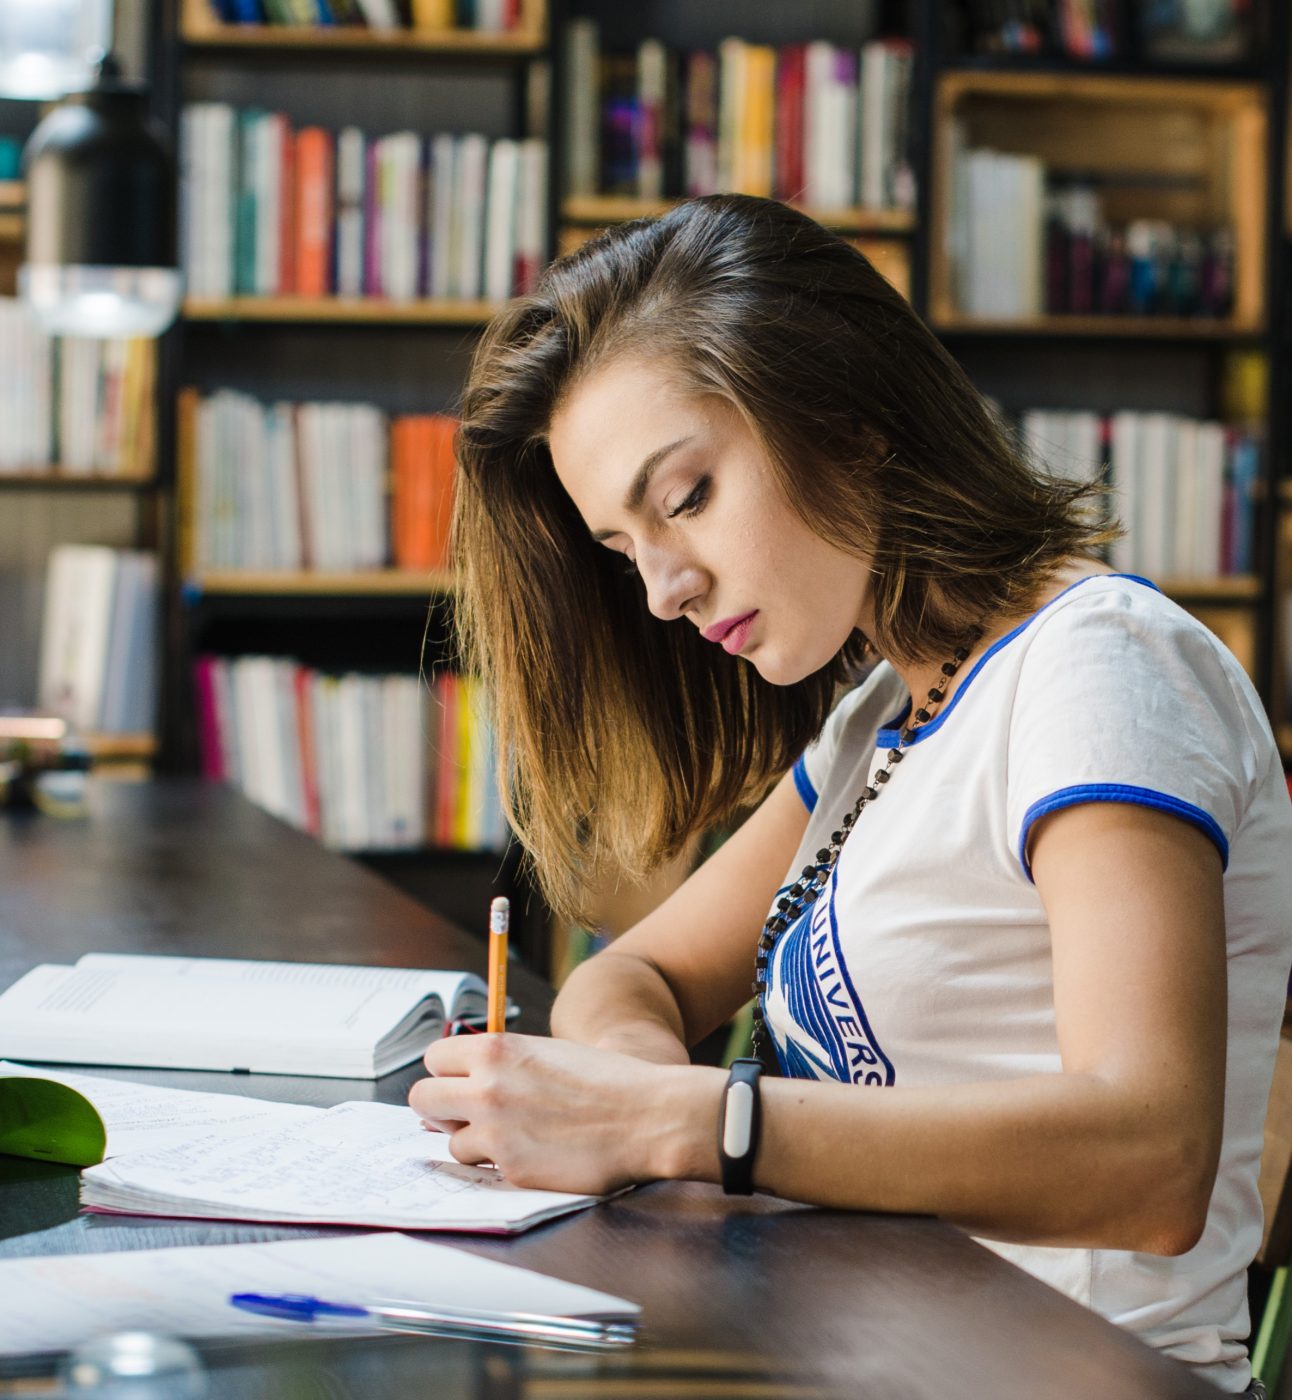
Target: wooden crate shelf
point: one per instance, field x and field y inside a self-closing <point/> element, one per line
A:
<point x="1190" y="152"/>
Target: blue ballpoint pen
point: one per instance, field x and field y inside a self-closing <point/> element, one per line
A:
<point x="454" y="1322"/>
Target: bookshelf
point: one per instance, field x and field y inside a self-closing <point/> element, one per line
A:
<point x="1178" y="143"/>
<point x="402" y="355"/>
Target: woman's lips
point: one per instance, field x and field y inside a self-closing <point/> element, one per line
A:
<point x="737" y="634"/>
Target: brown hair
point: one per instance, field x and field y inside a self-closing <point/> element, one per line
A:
<point x="620" y="735"/>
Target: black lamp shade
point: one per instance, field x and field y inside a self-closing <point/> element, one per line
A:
<point x="100" y="185"/>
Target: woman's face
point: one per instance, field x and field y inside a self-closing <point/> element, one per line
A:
<point x="681" y="488"/>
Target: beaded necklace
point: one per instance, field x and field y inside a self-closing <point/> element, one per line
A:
<point x="805" y="891"/>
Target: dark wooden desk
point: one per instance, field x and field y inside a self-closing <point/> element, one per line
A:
<point x="742" y="1298"/>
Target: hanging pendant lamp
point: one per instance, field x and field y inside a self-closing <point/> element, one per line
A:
<point x="101" y="242"/>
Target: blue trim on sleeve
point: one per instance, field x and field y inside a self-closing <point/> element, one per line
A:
<point x="804" y="784"/>
<point x="888" y="735"/>
<point x="1120" y="792"/>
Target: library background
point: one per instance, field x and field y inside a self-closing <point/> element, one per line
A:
<point x="222" y="546"/>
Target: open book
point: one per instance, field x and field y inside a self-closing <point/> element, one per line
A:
<point x="356" y="1164"/>
<point x="232" y="1014"/>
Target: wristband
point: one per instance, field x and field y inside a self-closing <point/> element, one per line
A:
<point x="738" y="1127"/>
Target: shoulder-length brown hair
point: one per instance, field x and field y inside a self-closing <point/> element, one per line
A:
<point x="621" y="735"/>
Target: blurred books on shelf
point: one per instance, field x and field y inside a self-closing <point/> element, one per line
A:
<point x="1185" y="490"/>
<point x="363" y="762"/>
<point x="1024" y="243"/>
<point x="385" y="16"/>
<point x="311" y="486"/>
<point x="98" y="644"/>
<point x="268" y="210"/>
<point x="816" y="124"/>
<point x="1164" y="31"/>
<point x="73" y="406"/>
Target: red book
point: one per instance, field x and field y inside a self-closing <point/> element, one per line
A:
<point x="315" y="185"/>
<point x="791" y="67"/>
<point x="287" y="213"/>
<point x="208" y="718"/>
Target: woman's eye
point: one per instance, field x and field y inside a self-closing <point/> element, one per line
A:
<point x="694" y="502"/>
<point x="630" y="567"/>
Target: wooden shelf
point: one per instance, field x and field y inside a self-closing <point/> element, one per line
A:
<point x="75" y="481"/>
<point x="1283" y="733"/>
<point x="356" y="39"/>
<point x="374" y="582"/>
<point x="1140" y="87"/>
<point x="1189" y="152"/>
<point x="1095" y="327"/>
<point x="111" y="747"/>
<point x="356" y="310"/>
<point x="13" y="195"/>
<point x="1235" y="588"/>
<point x="610" y="209"/>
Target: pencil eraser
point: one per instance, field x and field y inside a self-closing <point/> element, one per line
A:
<point x="499" y="915"/>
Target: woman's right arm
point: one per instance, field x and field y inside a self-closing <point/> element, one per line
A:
<point x="689" y="965"/>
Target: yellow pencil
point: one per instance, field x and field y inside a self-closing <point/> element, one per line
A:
<point x="499" y="920"/>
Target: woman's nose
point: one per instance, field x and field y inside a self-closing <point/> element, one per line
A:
<point x="673" y="584"/>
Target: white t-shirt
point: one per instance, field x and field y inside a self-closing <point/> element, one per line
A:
<point x="927" y="960"/>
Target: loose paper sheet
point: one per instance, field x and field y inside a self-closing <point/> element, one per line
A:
<point x="55" y="1302"/>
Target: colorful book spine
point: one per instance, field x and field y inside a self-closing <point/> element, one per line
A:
<point x="268" y="210"/>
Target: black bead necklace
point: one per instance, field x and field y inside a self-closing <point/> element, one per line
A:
<point x="805" y="891"/>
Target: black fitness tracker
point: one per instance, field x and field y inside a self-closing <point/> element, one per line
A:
<point x="738" y="1127"/>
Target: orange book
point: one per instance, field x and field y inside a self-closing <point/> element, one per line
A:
<point x="314" y="192"/>
<point x="423" y="468"/>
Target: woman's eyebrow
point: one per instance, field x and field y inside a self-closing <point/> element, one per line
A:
<point x="641" y="481"/>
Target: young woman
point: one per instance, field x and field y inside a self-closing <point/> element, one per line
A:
<point x="1030" y="878"/>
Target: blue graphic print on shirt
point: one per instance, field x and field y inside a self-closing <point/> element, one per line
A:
<point x="823" y="1003"/>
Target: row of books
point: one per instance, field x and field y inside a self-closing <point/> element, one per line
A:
<point x="270" y="210"/>
<point x="1217" y="31"/>
<point x="1185" y="490"/>
<point x="488" y="16"/>
<point x="78" y="406"/>
<point x="315" y="485"/>
<point x="1018" y="249"/>
<point x="98" y="640"/>
<point x="363" y="762"/>
<point x="814" y="123"/>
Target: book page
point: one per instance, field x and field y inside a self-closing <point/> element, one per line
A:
<point x="101" y="1014"/>
<point x="446" y="985"/>
<point x="55" y="1302"/>
<point x="356" y="1164"/>
<point x="143" y="1117"/>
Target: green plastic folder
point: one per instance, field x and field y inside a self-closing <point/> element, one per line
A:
<point x="50" y="1122"/>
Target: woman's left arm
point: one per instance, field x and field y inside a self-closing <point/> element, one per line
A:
<point x="1117" y="1151"/>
